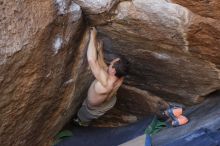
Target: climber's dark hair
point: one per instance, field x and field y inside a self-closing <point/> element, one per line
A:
<point x="121" y="67"/>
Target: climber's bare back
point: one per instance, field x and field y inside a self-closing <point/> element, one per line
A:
<point x="106" y="83"/>
<point x="98" y="94"/>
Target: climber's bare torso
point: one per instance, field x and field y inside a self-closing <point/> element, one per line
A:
<point x="106" y="84"/>
<point x="98" y="94"/>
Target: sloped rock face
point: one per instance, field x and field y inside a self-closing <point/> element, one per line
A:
<point x="43" y="74"/>
<point x="209" y="8"/>
<point x="173" y="49"/>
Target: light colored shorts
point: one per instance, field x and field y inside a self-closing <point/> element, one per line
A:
<point x="86" y="113"/>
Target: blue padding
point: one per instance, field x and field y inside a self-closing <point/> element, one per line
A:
<point x="90" y="136"/>
<point x="201" y="137"/>
<point x="148" y="141"/>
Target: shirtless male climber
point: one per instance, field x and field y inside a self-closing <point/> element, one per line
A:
<point x="101" y="95"/>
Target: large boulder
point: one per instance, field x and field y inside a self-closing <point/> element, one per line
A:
<point x="43" y="73"/>
<point x="173" y="50"/>
<point x="96" y="6"/>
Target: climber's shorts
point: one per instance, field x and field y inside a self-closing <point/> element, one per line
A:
<point x="87" y="113"/>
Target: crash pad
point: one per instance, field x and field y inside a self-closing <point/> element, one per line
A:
<point x="94" y="136"/>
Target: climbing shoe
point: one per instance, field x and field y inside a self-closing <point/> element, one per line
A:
<point x="78" y="122"/>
